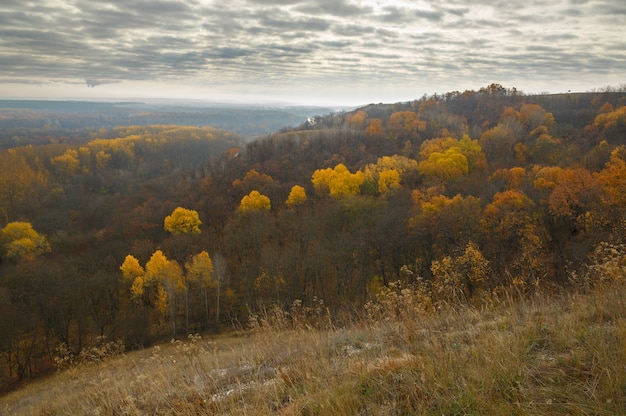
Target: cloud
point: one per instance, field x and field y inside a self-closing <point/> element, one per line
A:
<point x="92" y="83"/>
<point x="289" y="43"/>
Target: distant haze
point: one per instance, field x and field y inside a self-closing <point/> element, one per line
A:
<point x="320" y="52"/>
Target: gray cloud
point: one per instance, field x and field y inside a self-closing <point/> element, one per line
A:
<point x="288" y="43"/>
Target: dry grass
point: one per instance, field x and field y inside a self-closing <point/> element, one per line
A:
<point x="545" y="356"/>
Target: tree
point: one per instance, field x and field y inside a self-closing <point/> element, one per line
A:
<point x="450" y="164"/>
<point x="356" y="119"/>
<point x="613" y="180"/>
<point x="387" y="173"/>
<point x="66" y="164"/>
<point x="457" y="279"/>
<point x="513" y="238"/>
<point x="254" y="201"/>
<point x="388" y="180"/>
<point x="404" y="125"/>
<point x="576" y="194"/>
<point x="131" y="269"/>
<point x="253" y="180"/>
<point x="444" y="225"/>
<point x="297" y="196"/>
<point x="375" y="128"/>
<point x="19" y="183"/>
<point x="199" y="271"/>
<point x="158" y="285"/>
<point x="511" y="178"/>
<point x="337" y="182"/>
<point x="183" y="221"/>
<point x="20" y="241"/>
<point x="610" y="126"/>
<point x="498" y="144"/>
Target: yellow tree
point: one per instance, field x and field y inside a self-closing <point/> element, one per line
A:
<point x="255" y="201"/>
<point x="387" y="173"/>
<point x="131" y="268"/>
<point x="20" y="241"/>
<point x="199" y="271"/>
<point x="66" y="164"/>
<point x="472" y="151"/>
<point x="183" y="221"/>
<point x="450" y="164"/>
<point x="157" y="285"/>
<point x="337" y="182"/>
<point x="134" y="273"/>
<point x="297" y="196"/>
<point x="167" y="278"/>
<point x="388" y="180"/>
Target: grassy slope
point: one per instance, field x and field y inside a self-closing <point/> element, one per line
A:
<point x="544" y="356"/>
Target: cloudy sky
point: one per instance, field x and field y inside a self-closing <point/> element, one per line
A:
<point x="331" y="52"/>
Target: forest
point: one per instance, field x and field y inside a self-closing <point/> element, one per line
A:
<point x="136" y="234"/>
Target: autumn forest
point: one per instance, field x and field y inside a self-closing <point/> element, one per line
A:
<point x="142" y="233"/>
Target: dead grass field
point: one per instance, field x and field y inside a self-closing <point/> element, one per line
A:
<point x="550" y="355"/>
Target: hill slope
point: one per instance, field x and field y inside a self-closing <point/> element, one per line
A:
<point x="546" y="356"/>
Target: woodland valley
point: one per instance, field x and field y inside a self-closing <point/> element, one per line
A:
<point x="386" y="231"/>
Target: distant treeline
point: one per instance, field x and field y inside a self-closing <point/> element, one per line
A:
<point x="24" y="122"/>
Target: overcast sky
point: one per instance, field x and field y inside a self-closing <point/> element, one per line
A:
<point x="331" y="52"/>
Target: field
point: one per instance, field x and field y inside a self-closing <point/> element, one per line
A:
<point x="549" y="355"/>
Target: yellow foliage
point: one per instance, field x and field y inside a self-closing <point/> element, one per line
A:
<point x="297" y="196"/>
<point x="137" y="287"/>
<point x="338" y="181"/>
<point x="436" y="145"/>
<point x="160" y="302"/>
<point x="458" y="278"/>
<point x="547" y="177"/>
<point x="447" y="165"/>
<point x="155" y="268"/>
<point x="255" y="201"/>
<point x="388" y="180"/>
<point x="200" y="267"/>
<point x="131" y="269"/>
<point x="476" y="159"/>
<point x="172" y="277"/>
<point x="67" y="163"/>
<point x="102" y="159"/>
<point x="183" y="221"/>
<point x="20" y="241"/>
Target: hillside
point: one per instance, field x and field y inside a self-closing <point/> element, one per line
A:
<point x="139" y="234"/>
<point x="552" y="355"/>
<point x="43" y="122"/>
